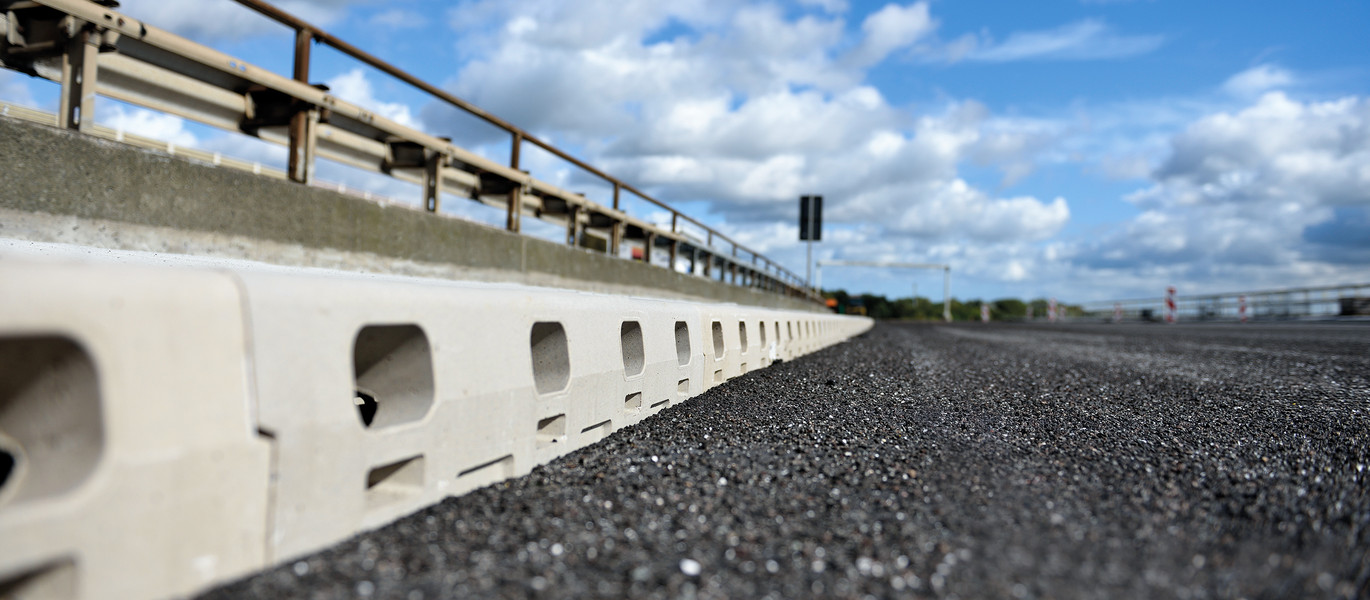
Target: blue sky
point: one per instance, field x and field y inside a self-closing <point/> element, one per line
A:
<point x="1081" y="149"/>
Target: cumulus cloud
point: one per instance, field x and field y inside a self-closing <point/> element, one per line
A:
<point x="1278" y="150"/>
<point x="746" y="108"/>
<point x="1277" y="192"/>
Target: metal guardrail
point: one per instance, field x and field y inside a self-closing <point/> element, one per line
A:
<point x="89" y="49"/>
<point x="1290" y="303"/>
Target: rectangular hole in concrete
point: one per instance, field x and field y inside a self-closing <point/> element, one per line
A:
<point x="718" y="376"/>
<point x="392" y="369"/>
<point x="489" y="472"/>
<point x="630" y="338"/>
<point x="742" y="335"/>
<point x="683" y="386"/>
<point x="718" y="340"/>
<point x="56" y="581"/>
<point x="661" y="404"/>
<point x="394" y="482"/>
<point x="744" y="368"/>
<point x="51" y="426"/>
<point x="551" y="430"/>
<point x="551" y="358"/>
<point x="596" y="432"/>
<point x="633" y="401"/>
<point x="761" y="326"/>
<point x="682" y="343"/>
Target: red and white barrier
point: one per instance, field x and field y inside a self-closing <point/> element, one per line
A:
<point x="1117" y="313"/>
<point x="1170" y="304"/>
<point x="984" y="313"/>
<point x="1051" y="310"/>
<point x="1241" y="308"/>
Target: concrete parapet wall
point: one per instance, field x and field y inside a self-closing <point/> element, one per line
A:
<point x="138" y="199"/>
<point x="176" y="422"/>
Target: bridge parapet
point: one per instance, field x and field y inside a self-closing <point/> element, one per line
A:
<point x="91" y="49"/>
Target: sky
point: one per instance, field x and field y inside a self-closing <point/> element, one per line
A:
<point x="1080" y="149"/>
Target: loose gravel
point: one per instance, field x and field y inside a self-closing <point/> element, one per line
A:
<point x="966" y="461"/>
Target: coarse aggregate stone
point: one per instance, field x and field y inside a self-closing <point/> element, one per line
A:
<point x="953" y="461"/>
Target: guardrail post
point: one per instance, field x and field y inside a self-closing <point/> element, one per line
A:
<point x="515" y="207"/>
<point x="647" y="249"/>
<point x="514" y="147"/>
<point x="301" y="157"/>
<point x="432" y="181"/>
<point x="572" y="216"/>
<point x="79" y="63"/>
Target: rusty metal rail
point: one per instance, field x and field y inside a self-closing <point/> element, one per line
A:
<point x="89" y="48"/>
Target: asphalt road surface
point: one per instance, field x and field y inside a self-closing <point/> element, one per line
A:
<point x="1014" y="461"/>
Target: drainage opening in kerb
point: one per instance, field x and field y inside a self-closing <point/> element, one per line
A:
<point x="53" y="580"/>
<point x="718" y="340"/>
<point x="51" y="426"/>
<point x="742" y="334"/>
<point x="551" y="430"/>
<point x="394" y="482"/>
<point x="551" y="359"/>
<point x="630" y="338"/>
<point x="392" y="367"/>
<point x="682" y="343"/>
<point x="761" y="326"/>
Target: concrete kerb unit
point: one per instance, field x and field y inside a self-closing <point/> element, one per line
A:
<point x="205" y="422"/>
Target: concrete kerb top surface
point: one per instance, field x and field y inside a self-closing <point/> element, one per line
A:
<point x="135" y="199"/>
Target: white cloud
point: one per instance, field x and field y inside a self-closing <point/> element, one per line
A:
<point x="891" y="28"/>
<point x="1277" y="150"/>
<point x="354" y="87"/>
<point x="747" y="108"/>
<point x="1258" y="80"/>
<point x="1276" y="194"/>
<point x="1083" y="40"/>
<point x="158" y="126"/>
